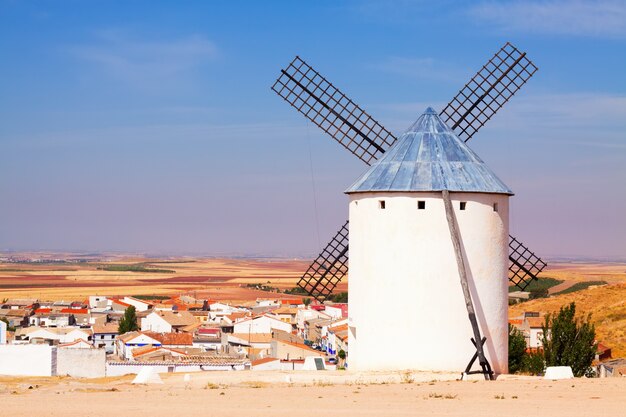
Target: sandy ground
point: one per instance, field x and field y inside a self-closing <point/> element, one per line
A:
<point x="252" y="393"/>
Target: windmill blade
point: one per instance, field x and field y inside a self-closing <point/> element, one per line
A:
<point x="525" y="265"/>
<point x="328" y="268"/>
<point x="322" y="103"/>
<point x="488" y="91"/>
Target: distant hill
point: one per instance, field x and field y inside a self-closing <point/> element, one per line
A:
<point x="607" y="305"/>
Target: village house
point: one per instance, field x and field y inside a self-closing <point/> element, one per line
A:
<point x="308" y="314"/>
<point x="220" y="313"/>
<point x="261" y="324"/>
<point x="286" y="314"/>
<point x="98" y="301"/>
<point x="282" y="349"/>
<point x="104" y="336"/>
<point x="20" y="304"/>
<point x="329" y="341"/>
<point x="337" y="339"/>
<point x="167" y="321"/>
<point x="337" y="310"/>
<point x="16" y="317"/>
<point x="532" y="327"/>
<point x="312" y="332"/>
<point x="140" y="305"/>
<point x="125" y="343"/>
<point x="183" y="341"/>
<point x="208" y="338"/>
<point x="53" y="334"/>
<point x="612" y="368"/>
<point x="46" y="317"/>
<point x="254" y="345"/>
<point x="128" y="342"/>
<point x="118" y="305"/>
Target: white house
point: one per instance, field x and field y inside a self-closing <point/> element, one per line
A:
<point x="140" y="305"/>
<point x="167" y="321"/>
<point x="127" y="342"/>
<point x="261" y="324"/>
<point x="265" y="302"/>
<point x="63" y="335"/>
<point x="307" y="314"/>
<point x="51" y="319"/>
<point x="337" y="311"/>
<point x="98" y="301"/>
<point x="104" y="336"/>
<point x="532" y="328"/>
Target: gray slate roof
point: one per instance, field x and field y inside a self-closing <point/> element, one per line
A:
<point x="429" y="157"/>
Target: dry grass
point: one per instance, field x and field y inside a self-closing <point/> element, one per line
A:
<point x="607" y="305"/>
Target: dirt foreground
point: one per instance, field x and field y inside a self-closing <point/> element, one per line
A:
<point x="257" y="393"/>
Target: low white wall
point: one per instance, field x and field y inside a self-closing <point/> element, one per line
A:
<point x="119" y="369"/>
<point x="28" y="360"/>
<point x="81" y="363"/>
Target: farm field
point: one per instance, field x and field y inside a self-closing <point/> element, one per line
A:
<point x="217" y="279"/>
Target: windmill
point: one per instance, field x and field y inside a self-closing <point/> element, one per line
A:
<point x="476" y="103"/>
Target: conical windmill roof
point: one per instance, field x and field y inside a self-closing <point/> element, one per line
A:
<point x="429" y="157"/>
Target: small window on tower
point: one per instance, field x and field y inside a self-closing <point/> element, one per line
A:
<point x="463" y="205"/>
<point x="495" y="206"/>
<point x="421" y="205"/>
<point x="381" y="204"/>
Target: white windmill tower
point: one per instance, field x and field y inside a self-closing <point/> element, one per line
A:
<point x="479" y="237"/>
<point x="404" y="276"/>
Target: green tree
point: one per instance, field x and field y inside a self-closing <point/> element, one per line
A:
<point x="128" y="323"/>
<point x="569" y="341"/>
<point x="517" y="349"/>
<point x="306" y="301"/>
<point x="342" y="356"/>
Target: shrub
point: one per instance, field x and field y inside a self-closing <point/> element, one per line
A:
<point x="517" y="349"/>
<point x="569" y="341"/>
<point x="533" y="363"/>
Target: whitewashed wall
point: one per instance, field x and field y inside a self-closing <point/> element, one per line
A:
<point x="404" y="283"/>
<point x="81" y="363"/>
<point x="28" y="360"/>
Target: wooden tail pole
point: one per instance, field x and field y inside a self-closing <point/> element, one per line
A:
<point x="456" y="242"/>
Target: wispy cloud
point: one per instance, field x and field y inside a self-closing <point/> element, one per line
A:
<point x="600" y="117"/>
<point x="145" y="60"/>
<point x="421" y="68"/>
<point x="591" y="112"/>
<point x="596" y="18"/>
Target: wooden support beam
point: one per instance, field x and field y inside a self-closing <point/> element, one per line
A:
<point x="469" y="305"/>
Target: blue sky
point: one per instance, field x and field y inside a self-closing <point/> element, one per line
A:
<point x="150" y="126"/>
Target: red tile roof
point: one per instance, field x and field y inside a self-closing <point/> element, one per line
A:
<point x="291" y="301"/>
<point x="262" y="361"/>
<point x="171" y="338"/>
<point x="75" y="310"/>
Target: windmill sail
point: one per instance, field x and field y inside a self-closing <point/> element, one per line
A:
<point x="322" y="103"/>
<point x="496" y="82"/>
<point x="525" y="265"/>
<point x="328" y="268"/>
<point x="477" y="102"/>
